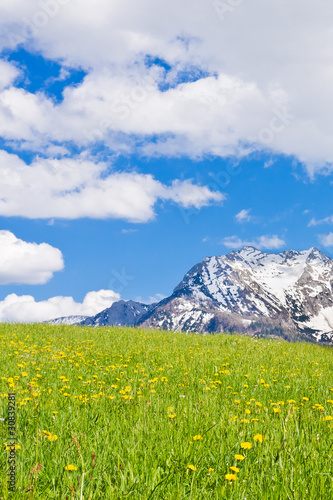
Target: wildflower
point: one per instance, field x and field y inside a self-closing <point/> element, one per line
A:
<point x="246" y="445"/>
<point x="210" y="469"/>
<point x="305" y="398"/>
<point x="191" y="467"/>
<point x="17" y="447"/>
<point x="52" y="437"/>
<point x="70" y="467"/>
<point x="231" y="477"/>
<point x="328" y="418"/>
<point x="172" y="415"/>
<point x="197" y="438"/>
<point x="276" y="410"/>
<point x="239" y="457"/>
<point x="235" y="469"/>
<point x="258" y="437"/>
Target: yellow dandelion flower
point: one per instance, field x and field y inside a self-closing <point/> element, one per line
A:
<point x="305" y="398"/>
<point x="17" y="447"/>
<point x="70" y="467"/>
<point x="52" y="437"/>
<point x="191" y="467"/>
<point x="246" y="445"/>
<point x="235" y="469"/>
<point x="231" y="477"/>
<point x="258" y="437"/>
<point x="239" y="457"/>
<point x="172" y="415"/>
<point x="197" y="438"/>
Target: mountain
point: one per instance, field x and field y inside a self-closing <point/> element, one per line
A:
<point x="67" y="320"/>
<point x="246" y="290"/>
<point x="120" y="313"/>
<point x="287" y="295"/>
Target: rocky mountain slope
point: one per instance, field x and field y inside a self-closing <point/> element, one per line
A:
<point x="289" y="294"/>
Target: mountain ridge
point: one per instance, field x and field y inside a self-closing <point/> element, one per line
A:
<point x="289" y="292"/>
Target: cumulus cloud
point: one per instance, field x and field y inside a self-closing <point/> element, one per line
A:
<point x="326" y="239"/>
<point x="74" y="188"/>
<point x="246" y="96"/>
<point x="243" y="216"/>
<point x="24" y="308"/>
<point x="261" y="242"/>
<point x="27" y="263"/>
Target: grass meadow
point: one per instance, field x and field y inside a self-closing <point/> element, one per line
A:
<point x="121" y="413"/>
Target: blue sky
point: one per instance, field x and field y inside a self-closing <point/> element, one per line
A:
<point x="128" y="159"/>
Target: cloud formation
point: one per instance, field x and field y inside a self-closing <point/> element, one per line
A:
<point x="74" y="188"/>
<point x="326" y="239"/>
<point x="261" y="242"/>
<point x="218" y="93"/>
<point x="24" y="308"/>
<point x="243" y="216"/>
<point x="317" y="222"/>
<point x="27" y="263"/>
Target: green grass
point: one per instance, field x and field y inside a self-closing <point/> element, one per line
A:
<point x="130" y="402"/>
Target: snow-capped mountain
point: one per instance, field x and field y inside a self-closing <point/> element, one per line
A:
<point x="289" y="294"/>
<point x="67" y="320"/>
<point x="292" y="291"/>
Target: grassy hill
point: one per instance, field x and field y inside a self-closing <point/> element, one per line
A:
<point x="158" y="415"/>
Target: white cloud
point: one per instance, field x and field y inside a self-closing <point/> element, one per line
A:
<point x="326" y="239"/>
<point x="24" y="308"/>
<point x="27" y="263"/>
<point x="243" y="216"/>
<point x="254" y="92"/>
<point x="74" y="188"/>
<point x="317" y="222"/>
<point x="261" y="242"/>
<point x="8" y="74"/>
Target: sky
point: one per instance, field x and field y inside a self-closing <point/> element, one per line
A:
<point x="136" y="138"/>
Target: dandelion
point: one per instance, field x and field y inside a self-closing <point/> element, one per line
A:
<point x="52" y="437"/>
<point x="197" y="438"/>
<point x="239" y="457"/>
<point x="305" y="398"/>
<point x="191" y="467"/>
<point x="16" y="446"/>
<point x="246" y="445"/>
<point x="172" y="415"/>
<point x="276" y="410"/>
<point x="231" y="477"/>
<point x="258" y="437"/>
<point x="235" y="469"/>
<point x="70" y="467"/>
